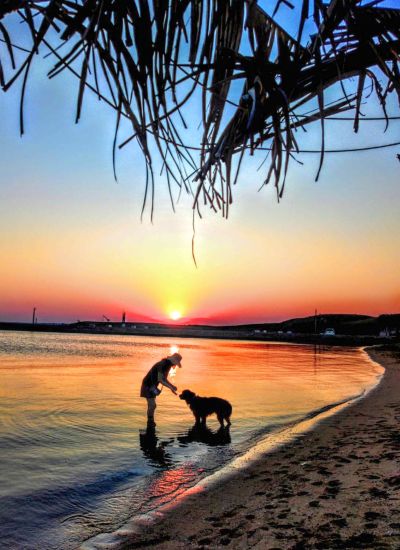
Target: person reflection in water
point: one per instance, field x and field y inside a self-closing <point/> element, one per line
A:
<point x="158" y="374"/>
<point x="154" y="450"/>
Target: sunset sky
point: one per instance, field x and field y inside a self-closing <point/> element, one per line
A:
<point x="72" y="243"/>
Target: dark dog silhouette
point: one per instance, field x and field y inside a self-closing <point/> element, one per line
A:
<point x="202" y="407"/>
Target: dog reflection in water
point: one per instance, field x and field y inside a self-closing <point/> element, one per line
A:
<point x="153" y="449"/>
<point x="202" y="434"/>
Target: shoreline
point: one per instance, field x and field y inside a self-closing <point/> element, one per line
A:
<point x="332" y="487"/>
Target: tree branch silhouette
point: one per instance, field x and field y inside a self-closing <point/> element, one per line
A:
<point x="148" y="59"/>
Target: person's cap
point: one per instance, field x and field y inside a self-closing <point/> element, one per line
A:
<point x="175" y="359"/>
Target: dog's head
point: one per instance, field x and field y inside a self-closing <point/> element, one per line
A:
<point x="187" y="396"/>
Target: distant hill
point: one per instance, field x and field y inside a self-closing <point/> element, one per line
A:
<point x="342" y="323"/>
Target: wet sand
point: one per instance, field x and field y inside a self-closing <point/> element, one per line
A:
<point x="335" y="487"/>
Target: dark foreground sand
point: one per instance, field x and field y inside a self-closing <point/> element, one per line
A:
<point x="335" y="487"/>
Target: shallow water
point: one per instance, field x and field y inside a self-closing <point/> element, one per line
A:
<point x="76" y="457"/>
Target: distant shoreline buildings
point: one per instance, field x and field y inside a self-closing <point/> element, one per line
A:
<point x="337" y="329"/>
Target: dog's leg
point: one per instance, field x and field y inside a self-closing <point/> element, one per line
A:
<point x="197" y="419"/>
<point x="220" y="420"/>
<point x="228" y="420"/>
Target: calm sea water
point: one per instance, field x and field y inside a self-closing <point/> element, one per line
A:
<point x="76" y="457"/>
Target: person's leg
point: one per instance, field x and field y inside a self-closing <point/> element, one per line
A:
<point x="151" y="407"/>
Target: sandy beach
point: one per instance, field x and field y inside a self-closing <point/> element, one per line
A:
<point x="334" y="487"/>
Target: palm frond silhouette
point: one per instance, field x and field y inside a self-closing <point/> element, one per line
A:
<point x="259" y="84"/>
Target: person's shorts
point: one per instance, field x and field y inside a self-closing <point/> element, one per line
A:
<point x="149" y="392"/>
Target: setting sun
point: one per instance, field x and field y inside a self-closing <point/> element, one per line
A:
<point x="175" y="315"/>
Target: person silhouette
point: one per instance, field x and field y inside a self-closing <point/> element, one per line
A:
<point x="158" y="374"/>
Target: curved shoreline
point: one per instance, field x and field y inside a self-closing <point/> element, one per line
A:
<point x="281" y="499"/>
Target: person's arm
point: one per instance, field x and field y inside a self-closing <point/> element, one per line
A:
<point x="165" y="382"/>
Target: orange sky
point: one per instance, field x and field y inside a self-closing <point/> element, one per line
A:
<point x="72" y="244"/>
<point x="284" y="260"/>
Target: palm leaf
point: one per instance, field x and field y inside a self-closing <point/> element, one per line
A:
<point x="146" y="59"/>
